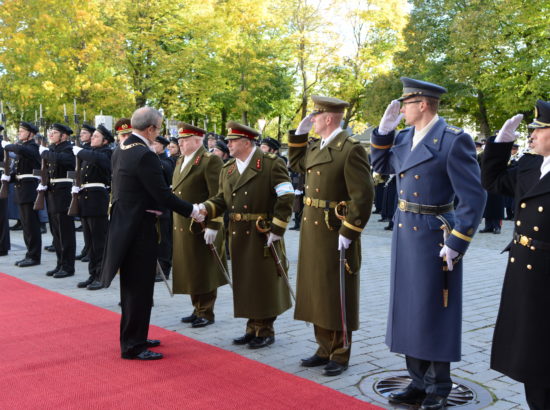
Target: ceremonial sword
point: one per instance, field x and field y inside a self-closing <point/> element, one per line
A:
<point x="446" y="227"/>
<point x="161" y="273"/>
<point x="342" y="271"/>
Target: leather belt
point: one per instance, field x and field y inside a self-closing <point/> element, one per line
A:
<point x="93" y="185"/>
<point x="319" y="203"/>
<point x="424" y="209"/>
<point x="531" y="243"/>
<point x="60" y="180"/>
<point x="237" y="217"/>
<point x="25" y="176"/>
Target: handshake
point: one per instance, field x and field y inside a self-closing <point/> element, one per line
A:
<point x="199" y="212"/>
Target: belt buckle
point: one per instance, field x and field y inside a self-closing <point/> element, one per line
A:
<point x="308" y="201"/>
<point x="524" y="240"/>
<point x="237" y="217"/>
<point x="402" y="205"/>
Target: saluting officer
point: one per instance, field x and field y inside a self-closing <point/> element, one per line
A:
<point x="27" y="159"/>
<point x="93" y="199"/>
<point x="60" y="159"/>
<point x="434" y="163"/>
<point x="336" y="169"/>
<point x="520" y="342"/>
<point x="254" y="185"/>
<point x="85" y="143"/>
<point x="196" y="272"/>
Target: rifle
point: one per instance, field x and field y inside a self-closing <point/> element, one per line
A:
<point x="6" y="164"/>
<point x="75" y="175"/>
<point x="43" y="171"/>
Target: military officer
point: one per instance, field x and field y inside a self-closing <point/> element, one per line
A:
<point x="336" y="169"/>
<point x="520" y="344"/>
<point x="5" y="244"/>
<point x="93" y="199"/>
<point x="254" y="185"/>
<point x="27" y="159"/>
<point x="196" y="271"/>
<point x="60" y="159"/>
<point x="272" y="146"/>
<point x="85" y="142"/>
<point x="434" y="163"/>
<point x="123" y="129"/>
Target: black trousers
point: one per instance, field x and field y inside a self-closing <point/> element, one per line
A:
<point x="432" y="377"/>
<point x="137" y="282"/>
<point x="4" y="226"/>
<point x="165" y="244"/>
<point x="87" y="237"/>
<point x="64" y="240"/>
<point x="31" y="231"/>
<point x="538" y="398"/>
<point x="97" y="227"/>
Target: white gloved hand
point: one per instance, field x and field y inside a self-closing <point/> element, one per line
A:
<point x="5" y="178"/>
<point x="76" y="150"/>
<point x="196" y="214"/>
<point x="298" y="192"/>
<point x="343" y="242"/>
<point x="41" y="187"/>
<point x="391" y="118"/>
<point x="41" y="149"/>
<point x="272" y="238"/>
<point x="448" y="255"/>
<point x="507" y="132"/>
<point x="210" y="236"/>
<point x="305" y="125"/>
<point x="4" y="143"/>
<point x="75" y="189"/>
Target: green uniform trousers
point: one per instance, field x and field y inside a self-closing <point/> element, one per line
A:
<point x="261" y="327"/>
<point x="331" y="345"/>
<point x="204" y="304"/>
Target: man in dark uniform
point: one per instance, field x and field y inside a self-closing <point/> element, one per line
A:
<point x="222" y="151"/>
<point x="520" y="342"/>
<point x="4" y="225"/>
<point x="93" y="199"/>
<point x="27" y="159"/>
<point x="272" y="146"/>
<point x="174" y="150"/>
<point x="433" y="163"/>
<point x="85" y="143"/>
<point x="60" y="159"/>
<point x="139" y="189"/>
<point x="165" y="220"/>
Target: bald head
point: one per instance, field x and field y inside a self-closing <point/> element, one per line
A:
<point x="145" y="117"/>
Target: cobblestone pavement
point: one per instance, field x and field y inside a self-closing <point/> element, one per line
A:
<point x="484" y="267"/>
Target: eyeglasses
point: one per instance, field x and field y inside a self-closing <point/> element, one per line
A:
<point x="411" y="102"/>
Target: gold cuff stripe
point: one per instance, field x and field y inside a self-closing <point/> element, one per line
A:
<point x="353" y="228"/>
<point x="279" y="223"/>
<point x="297" y="145"/>
<point x="461" y="236"/>
<point x="210" y="205"/>
<point x="381" y="146"/>
<point x="218" y="219"/>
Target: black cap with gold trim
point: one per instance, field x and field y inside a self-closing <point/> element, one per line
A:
<point x="416" y="88"/>
<point x="542" y="115"/>
<point x="328" y="104"/>
<point x="236" y="131"/>
<point x="186" y="130"/>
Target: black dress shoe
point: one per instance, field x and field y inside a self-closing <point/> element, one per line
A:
<point x="259" y="342"/>
<point x="314" y="361"/>
<point x="294" y="228"/>
<point x="43" y="228"/>
<point x="496" y="231"/>
<point x="388" y="228"/>
<point x="3" y="253"/>
<point x="78" y="229"/>
<point x="85" y="259"/>
<point x="485" y="230"/>
<point x="189" y="319"/>
<point x="62" y="274"/>
<point x="52" y="272"/>
<point x="85" y="283"/>
<point x="334" y="368"/>
<point x="409" y="395"/>
<point x="79" y="257"/>
<point x="158" y="278"/>
<point x="17" y="226"/>
<point x="152" y="343"/>
<point x="95" y="285"/>
<point x="243" y="339"/>
<point x="18" y="262"/>
<point x="201" y="322"/>
<point x="434" y="402"/>
<point x="28" y="262"/>
<point x="145" y="355"/>
<point x="50" y="248"/>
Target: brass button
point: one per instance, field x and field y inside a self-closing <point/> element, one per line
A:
<point x="402" y="174"/>
<point x="541" y="209"/>
<point x="415" y="193"/>
<point x="181" y="229"/>
<point x="415" y="228"/>
<point x="175" y="229"/>
<point x="305" y="219"/>
<point x="309" y="171"/>
<point x="307" y="186"/>
<point x="316" y="189"/>
<point x="533" y="248"/>
<point x="400" y="225"/>
<point x="441" y="245"/>
<point x="357" y="222"/>
<point x="417" y="177"/>
<point x="248" y="232"/>
<point x="234" y="194"/>
<point x="401" y="192"/>
<point x="232" y="206"/>
<point x="512" y="259"/>
<point x="246" y="193"/>
<point x="535" y="228"/>
<point x="234" y="232"/>
<point x="318" y="172"/>
<point x="529" y="267"/>
<point x="518" y="223"/>
<point x="523" y="205"/>
<point x="316" y="223"/>
<point x="179" y="192"/>
<point x="245" y="206"/>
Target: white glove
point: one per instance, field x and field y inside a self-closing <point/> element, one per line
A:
<point x="41" y="187"/>
<point x="391" y="118"/>
<point x="272" y="238"/>
<point x="196" y="215"/>
<point x="210" y="236"/>
<point x="41" y="149"/>
<point x="4" y="143"/>
<point x="75" y="189"/>
<point x="76" y="150"/>
<point x="298" y="192"/>
<point x="507" y="132"/>
<point x="448" y="255"/>
<point x="5" y="178"/>
<point x="343" y="242"/>
<point x="305" y="125"/>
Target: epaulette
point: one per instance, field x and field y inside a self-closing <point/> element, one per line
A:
<point x="353" y="140"/>
<point x="270" y="155"/>
<point x="231" y="161"/>
<point x="208" y="154"/>
<point x="454" y="130"/>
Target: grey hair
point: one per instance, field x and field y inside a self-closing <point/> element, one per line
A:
<point x="145" y="117"/>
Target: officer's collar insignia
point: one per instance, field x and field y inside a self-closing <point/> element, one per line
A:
<point x="435" y="140"/>
<point x="258" y="164"/>
<point x="231" y="169"/>
<point x="198" y="159"/>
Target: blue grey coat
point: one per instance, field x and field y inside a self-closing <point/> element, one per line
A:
<point x="443" y="165"/>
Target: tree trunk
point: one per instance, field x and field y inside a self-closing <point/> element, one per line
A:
<point x="484" y="127"/>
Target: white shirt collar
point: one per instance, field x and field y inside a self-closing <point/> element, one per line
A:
<point x="188" y="158"/>
<point x="241" y="165"/>
<point x="545" y="166"/>
<point x="420" y="134"/>
<point x="145" y="140"/>
<point x="326" y="141"/>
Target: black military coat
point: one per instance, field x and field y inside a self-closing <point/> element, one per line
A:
<point x="26" y="161"/>
<point x="167" y="171"/>
<point x="60" y="159"/>
<point x="520" y="342"/>
<point x="138" y="186"/>
<point x="96" y="168"/>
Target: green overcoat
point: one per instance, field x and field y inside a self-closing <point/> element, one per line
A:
<point x="338" y="172"/>
<point x="195" y="271"/>
<point x="263" y="188"/>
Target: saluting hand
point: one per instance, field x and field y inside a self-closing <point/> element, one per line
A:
<point x="508" y="132"/>
<point x="305" y="125"/>
<point x="391" y="118"/>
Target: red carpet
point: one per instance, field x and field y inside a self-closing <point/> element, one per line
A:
<point x="61" y="353"/>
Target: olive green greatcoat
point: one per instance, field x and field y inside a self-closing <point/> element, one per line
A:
<point x="195" y="271"/>
<point x="338" y="172"/>
<point x="258" y="291"/>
